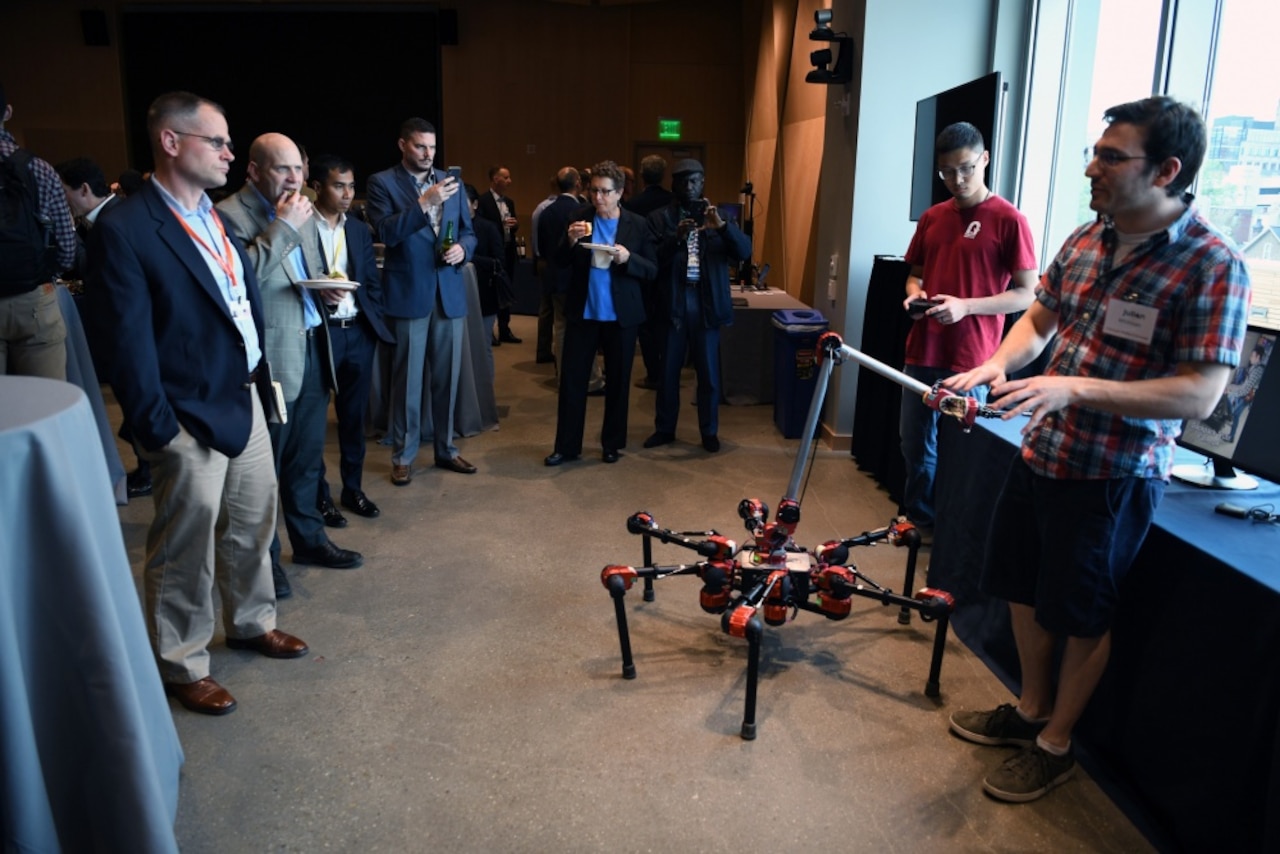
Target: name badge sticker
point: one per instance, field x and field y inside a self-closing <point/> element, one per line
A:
<point x="1130" y="321"/>
<point x="241" y="309"/>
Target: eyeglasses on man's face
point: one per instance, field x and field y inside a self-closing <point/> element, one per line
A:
<point x="601" y="191"/>
<point x="217" y="143"/>
<point x="964" y="170"/>
<point x="1110" y="157"/>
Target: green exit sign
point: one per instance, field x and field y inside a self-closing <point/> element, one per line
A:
<point x="669" y="129"/>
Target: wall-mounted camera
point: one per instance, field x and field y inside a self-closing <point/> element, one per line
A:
<point x="822" y="59"/>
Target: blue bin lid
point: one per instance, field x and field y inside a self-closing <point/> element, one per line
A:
<point x="799" y="320"/>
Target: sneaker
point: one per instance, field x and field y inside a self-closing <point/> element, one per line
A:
<point x="1001" y="725"/>
<point x="1028" y="774"/>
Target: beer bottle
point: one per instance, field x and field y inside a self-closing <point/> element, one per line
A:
<point x="448" y="240"/>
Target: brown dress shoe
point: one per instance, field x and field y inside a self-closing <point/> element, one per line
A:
<point x="204" y="696"/>
<point x="274" y="644"/>
<point x="401" y="475"/>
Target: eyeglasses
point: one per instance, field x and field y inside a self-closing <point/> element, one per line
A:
<point x="601" y="191"/>
<point x="964" y="170"/>
<point x="217" y="143"/>
<point x="1110" y="157"/>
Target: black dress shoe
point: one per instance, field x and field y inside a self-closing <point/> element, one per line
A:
<point x="137" y="483"/>
<point x="333" y="517"/>
<point x="556" y="458"/>
<point x="496" y="342"/>
<point x="609" y="455"/>
<point x="711" y="443"/>
<point x="508" y="338"/>
<point x="545" y="360"/>
<point x="328" y="555"/>
<point x="283" y="589"/>
<point x="457" y="464"/>
<point x="359" y="504"/>
<point x="659" y="438"/>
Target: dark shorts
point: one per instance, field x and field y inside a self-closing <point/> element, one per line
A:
<point x="1064" y="546"/>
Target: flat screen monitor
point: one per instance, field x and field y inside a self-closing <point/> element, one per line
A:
<point x="980" y="103"/>
<point x="1243" y="433"/>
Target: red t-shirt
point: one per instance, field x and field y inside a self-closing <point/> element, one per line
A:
<point x="966" y="253"/>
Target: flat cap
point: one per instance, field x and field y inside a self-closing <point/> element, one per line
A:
<point x="686" y="167"/>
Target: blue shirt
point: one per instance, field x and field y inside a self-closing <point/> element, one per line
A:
<point x="310" y="313"/>
<point x="235" y="293"/>
<point x="599" y="283"/>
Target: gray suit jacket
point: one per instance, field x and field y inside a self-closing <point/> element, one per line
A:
<point x="269" y="243"/>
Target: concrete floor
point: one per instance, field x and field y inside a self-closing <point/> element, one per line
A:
<point x="463" y="691"/>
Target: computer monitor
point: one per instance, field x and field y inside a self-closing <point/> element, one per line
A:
<point x="1243" y="433"/>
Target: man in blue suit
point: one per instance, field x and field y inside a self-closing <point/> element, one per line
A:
<point x="417" y="213"/>
<point x="178" y="308"/>
<point x="355" y="326"/>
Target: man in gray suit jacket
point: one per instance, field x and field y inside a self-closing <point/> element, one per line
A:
<point x="418" y="214"/>
<point x="275" y="222"/>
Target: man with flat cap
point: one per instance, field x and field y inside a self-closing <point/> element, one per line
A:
<point x="696" y="248"/>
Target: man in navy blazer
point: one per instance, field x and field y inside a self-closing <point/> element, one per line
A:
<point x="355" y="327"/>
<point x="178" y="308"/>
<point x="415" y="211"/>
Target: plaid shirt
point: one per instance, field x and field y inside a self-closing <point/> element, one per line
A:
<point x="52" y="200"/>
<point x="1196" y="282"/>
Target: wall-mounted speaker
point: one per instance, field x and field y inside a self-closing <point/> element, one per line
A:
<point x="93" y="26"/>
<point x="449" y="27"/>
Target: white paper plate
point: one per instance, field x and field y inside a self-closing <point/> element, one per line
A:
<point x="605" y="247"/>
<point x="329" y="284"/>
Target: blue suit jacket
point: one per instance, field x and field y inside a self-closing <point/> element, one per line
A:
<point x="413" y="274"/>
<point x="177" y="355"/>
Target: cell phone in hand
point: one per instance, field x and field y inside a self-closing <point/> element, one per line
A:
<point x="455" y="172"/>
<point x="917" y="307"/>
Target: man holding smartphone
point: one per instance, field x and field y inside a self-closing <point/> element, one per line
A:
<point x="695" y="251"/>
<point x="414" y="208"/>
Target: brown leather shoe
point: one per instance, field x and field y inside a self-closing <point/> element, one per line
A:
<point x="274" y="644"/>
<point x="204" y="696"/>
<point x="457" y="464"/>
<point x="401" y="475"/>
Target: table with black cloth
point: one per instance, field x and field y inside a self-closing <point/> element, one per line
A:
<point x="875" y="443"/>
<point x="746" y="347"/>
<point x="90" y="753"/>
<point x="1184" y="729"/>
<point x="527" y="288"/>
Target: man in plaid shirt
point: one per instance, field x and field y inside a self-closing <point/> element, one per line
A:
<point x="1149" y="308"/>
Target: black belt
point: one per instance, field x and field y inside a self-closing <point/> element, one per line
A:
<point x="252" y="381"/>
<point x="342" y="322"/>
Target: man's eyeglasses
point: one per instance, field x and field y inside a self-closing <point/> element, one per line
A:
<point x="601" y="191"/>
<point x="964" y="170"/>
<point x="217" y="143"/>
<point x="1110" y="157"/>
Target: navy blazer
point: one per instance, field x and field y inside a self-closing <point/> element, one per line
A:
<point x="627" y="281"/>
<point x="177" y="355"/>
<point x="362" y="267"/>
<point x="412" y="272"/>
<point x="552" y="225"/>
<point x="718" y="249"/>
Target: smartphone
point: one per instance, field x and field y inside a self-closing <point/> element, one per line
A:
<point x="455" y="172"/>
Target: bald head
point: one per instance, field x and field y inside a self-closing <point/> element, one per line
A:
<point x="275" y="165"/>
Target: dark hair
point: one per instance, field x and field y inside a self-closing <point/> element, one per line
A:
<point x="566" y="179"/>
<point x="173" y="105"/>
<point x="652" y="170"/>
<point x="472" y="195"/>
<point x="957" y="136"/>
<point x="494" y="170"/>
<point x="609" y="169"/>
<point x="323" y="164"/>
<point x="415" y="125"/>
<point x="130" y="182"/>
<point x="1169" y="129"/>
<point x="78" y="171"/>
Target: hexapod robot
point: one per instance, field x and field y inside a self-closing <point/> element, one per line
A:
<point x="770" y="578"/>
